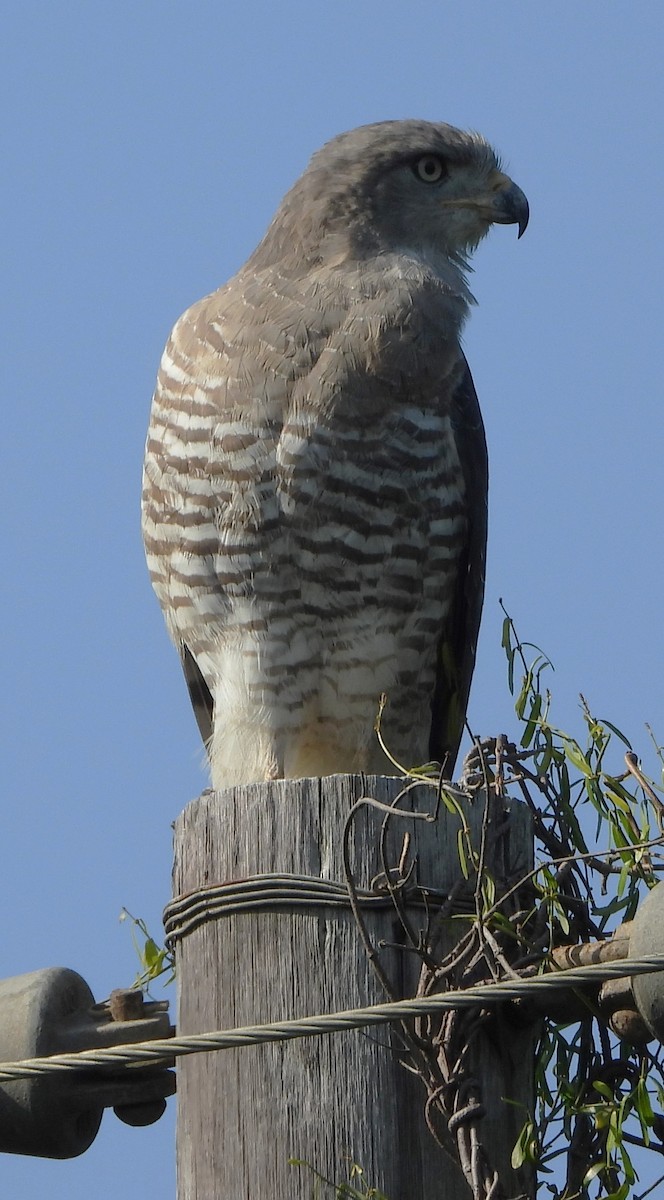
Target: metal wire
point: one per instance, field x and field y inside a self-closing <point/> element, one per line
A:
<point x="275" y="892"/>
<point x="163" y="1050"/>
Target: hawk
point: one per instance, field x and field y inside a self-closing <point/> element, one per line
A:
<point x="315" y="481"/>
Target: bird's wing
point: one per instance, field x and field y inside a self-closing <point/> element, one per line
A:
<point x="199" y="693"/>
<point x="457" y="647"/>
<point x="205" y="431"/>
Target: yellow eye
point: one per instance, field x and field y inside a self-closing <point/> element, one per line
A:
<point x="429" y="168"/>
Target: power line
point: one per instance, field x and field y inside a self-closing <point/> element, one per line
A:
<point x="164" y="1050"/>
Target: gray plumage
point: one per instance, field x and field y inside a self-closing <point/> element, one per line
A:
<point x="315" y="484"/>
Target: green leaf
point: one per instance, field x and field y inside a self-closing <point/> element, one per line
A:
<point x="525" y="1147"/>
<point x="621" y="1194"/>
<point x="577" y="757"/>
<point x="532" y="722"/>
<point x="602" y="1089"/>
<point x="450" y="801"/>
<point x="506" y="643"/>
<point x="644" y="1110"/>
<point x="593" y="1172"/>
<point x="615" y="905"/>
<point x="561" y="917"/>
<point x="520" y="703"/>
<point x="618" y="733"/>
<point x="626" y="804"/>
<point x="501" y="922"/>
<point x="628" y="1168"/>
<point x="152" y="954"/>
<point x="623" y="880"/>
<point x="461" y="851"/>
<point x="618" y="836"/>
<point x="614" y="786"/>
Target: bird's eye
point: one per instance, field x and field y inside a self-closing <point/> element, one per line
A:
<point x="429" y="168"/>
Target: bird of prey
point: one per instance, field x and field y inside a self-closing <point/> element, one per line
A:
<point x="315" y="481"/>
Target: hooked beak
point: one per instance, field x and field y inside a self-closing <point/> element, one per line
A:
<point x="503" y="203"/>
<point x="508" y="203"/>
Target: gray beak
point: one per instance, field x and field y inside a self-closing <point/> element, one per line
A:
<point x="511" y="207"/>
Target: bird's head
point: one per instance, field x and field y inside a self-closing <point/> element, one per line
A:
<point x="395" y="185"/>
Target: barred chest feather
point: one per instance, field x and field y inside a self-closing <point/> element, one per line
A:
<point x="304" y="511"/>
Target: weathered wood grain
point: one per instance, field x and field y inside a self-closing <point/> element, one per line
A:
<point x="330" y="1100"/>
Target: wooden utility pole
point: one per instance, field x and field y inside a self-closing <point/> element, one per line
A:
<point x="341" y="1098"/>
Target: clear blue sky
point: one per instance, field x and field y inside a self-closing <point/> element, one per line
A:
<point x="147" y="147"/>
